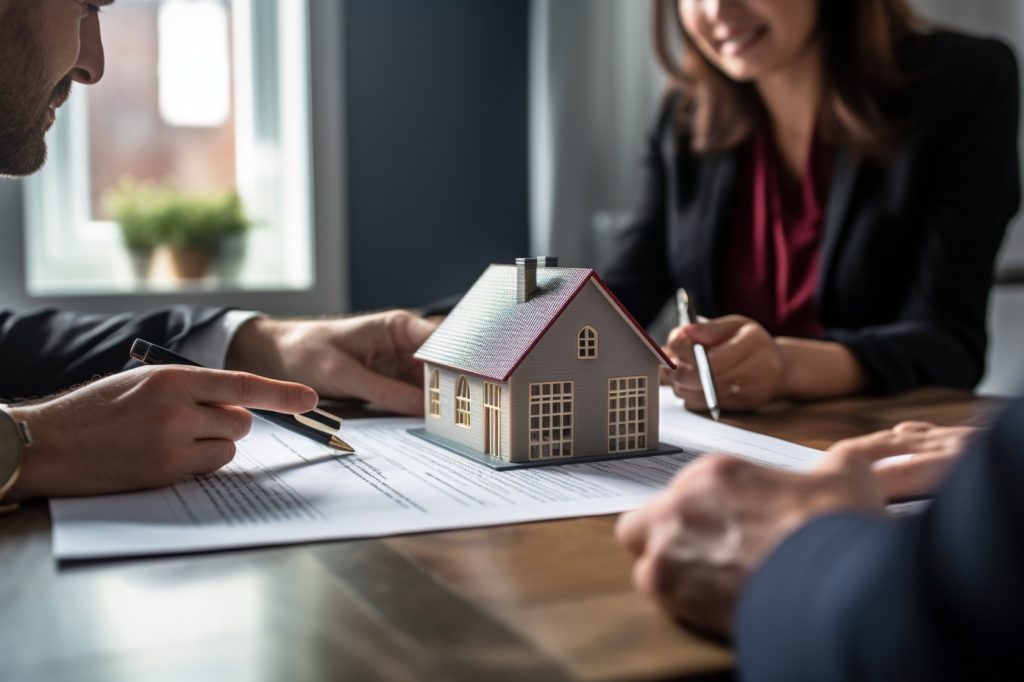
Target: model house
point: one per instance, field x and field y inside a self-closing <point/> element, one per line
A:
<point x="540" y="364"/>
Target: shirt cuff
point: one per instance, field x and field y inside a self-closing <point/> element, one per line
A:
<point x="209" y="345"/>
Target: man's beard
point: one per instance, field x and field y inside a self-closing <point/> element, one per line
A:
<point x="23" y="107"/>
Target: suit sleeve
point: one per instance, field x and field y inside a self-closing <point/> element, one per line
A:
<point x="934" y="597"/>
<point x="46" y="351"/>
<point x="940" y="336"/>
<point x="637" y="269"/>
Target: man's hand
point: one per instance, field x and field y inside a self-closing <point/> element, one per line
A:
<point x="367" y="357"/>
<point x="145" y="428"/>
<point x="700" y="540"/>
<point x="925" y="454"/>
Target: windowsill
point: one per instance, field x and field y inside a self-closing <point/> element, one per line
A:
<point x="74" y="290"/>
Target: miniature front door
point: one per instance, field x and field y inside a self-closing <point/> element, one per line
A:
<point x="627" y="414"/>
<point x="492" y="419"/>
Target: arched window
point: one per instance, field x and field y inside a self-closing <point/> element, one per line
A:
<point x="434" y="393"/>
<point x="586" y="344"/>
<point x="462" y="403"/>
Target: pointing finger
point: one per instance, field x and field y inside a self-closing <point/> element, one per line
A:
<point x="218" y="387"/>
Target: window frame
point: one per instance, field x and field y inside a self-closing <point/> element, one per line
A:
<point x="463" y="404"/>
<point x="493" y="420"/>
<point x="434" y="393"/>
<point x="618" y="428"/>
<point x="587" y="343"/>
<point x="551" y="394"/>
<point x="328" y="289"/>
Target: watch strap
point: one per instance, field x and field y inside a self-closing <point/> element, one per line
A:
<point x="24" y="434"/>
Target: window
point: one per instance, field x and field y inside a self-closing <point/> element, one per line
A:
<point x="434" y="393"/>
<point x="627" y="414"/>
<point x="586" y="344"/>
<point x="551" y="414"/>
<point x="492" y="419"/>
<point x="204" y="96"/>
<point x="462" y="403"/>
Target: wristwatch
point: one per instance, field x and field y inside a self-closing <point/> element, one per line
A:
<point x="14" y="438"/>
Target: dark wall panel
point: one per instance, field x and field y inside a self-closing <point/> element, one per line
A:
<point x="436" y="105"/>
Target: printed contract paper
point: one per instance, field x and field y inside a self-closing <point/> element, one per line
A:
<point x="283" y="489"/>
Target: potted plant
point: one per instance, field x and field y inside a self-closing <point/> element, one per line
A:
<point x="194" y="227"/>
<point x="134" y="206"/>
<point x="197" y="227"/>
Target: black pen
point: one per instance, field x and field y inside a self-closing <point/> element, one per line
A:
<point x="315" y="424"/>
<point x="688" y="315"/>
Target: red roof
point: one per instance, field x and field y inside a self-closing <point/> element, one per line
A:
<point x="489" y="334"/>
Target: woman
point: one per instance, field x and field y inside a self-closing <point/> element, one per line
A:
<point x="830" y="182"/>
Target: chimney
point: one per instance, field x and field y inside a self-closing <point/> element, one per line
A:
<point x="526" y="275"/>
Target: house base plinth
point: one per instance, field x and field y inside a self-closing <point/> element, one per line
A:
<point x="502" y="465"/>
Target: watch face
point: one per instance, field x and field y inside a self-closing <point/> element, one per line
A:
<point x="10" y="448"/>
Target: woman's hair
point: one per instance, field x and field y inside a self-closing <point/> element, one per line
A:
<point x="858" y="39"/>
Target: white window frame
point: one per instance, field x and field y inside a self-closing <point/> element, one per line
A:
<point x="493" y="422"/>
<point x="587" y="343"/>
<point x="549" y="420"/>
<point x="434" y="393"/>
<point x="463" y="404"/>
<point x="628" y="414"/>
<point x="316" y="98"/>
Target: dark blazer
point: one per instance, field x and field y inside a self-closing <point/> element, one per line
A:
<point x="934" y="597"/>
<point x="45" y="351"/>
<point x="908" y="245"/>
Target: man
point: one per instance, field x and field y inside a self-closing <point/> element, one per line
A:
<point x="814" y="582"/>
<point x="152" y="426"/>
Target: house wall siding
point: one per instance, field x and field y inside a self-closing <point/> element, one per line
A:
<point x="620" y="353"/>
<point x="445" y="425"/>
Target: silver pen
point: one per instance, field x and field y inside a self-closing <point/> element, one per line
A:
<point x="687" y="315"/>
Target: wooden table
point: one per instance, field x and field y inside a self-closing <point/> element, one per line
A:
<point x="540" y="601"/>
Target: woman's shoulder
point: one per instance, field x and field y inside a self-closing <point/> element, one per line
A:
<point x="951" y="59"/>
<point x="949" y="76"/>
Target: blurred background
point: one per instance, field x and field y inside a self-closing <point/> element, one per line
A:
<point x="326" y="156"/>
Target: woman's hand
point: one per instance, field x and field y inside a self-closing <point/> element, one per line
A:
<point x="751" y="367"/>
<point x="746" y="362"/>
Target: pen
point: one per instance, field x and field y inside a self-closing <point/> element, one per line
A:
<point x="687" y="315"/>
<point x="316" y="424"/>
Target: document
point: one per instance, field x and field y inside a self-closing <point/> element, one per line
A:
<point x="282" y="488"/>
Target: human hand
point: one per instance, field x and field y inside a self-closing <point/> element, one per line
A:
<point x="924" y="454"/>
<point x="367" y="357"/>
<point x="144" y="428"/>
<point x="746" y="362"/>
<point x="698" y="542"/>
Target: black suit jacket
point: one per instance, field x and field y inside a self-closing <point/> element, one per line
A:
<point x="908" y="245"/>
<point x="935" y="597"/>
<point x="45" y="351"/>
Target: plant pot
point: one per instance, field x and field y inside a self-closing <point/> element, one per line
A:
<point x="142" y="261"/>
<point x="191" y="262"/>
<point x="230" y="258"/>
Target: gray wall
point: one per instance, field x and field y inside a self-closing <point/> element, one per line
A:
<point x="474" y="437"/>
<point x="620" y="353"/>
<point x="437" y="144"/>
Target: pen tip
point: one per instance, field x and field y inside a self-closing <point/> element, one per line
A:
<point x="339" y="444"/>
<point x="716" y="413"/>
